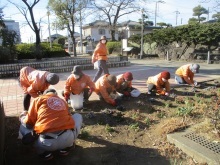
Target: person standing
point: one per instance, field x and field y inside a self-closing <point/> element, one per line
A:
<point x="100" y="56"/>
<point x="34" y="83"/>
<point x="50" y="124"/>
<point x="160" y="83"/>
<point x="185" y="74"/>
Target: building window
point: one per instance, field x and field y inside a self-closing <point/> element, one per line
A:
<point x="102" y="31"/>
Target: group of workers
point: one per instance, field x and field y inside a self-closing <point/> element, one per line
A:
<point x="42" y="121"/>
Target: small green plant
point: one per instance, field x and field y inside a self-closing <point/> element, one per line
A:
<point x="161" y="114"/>
<point x="109" y="129"/>
<point x="183" y="111"/>
<point x="168" y="104"/>
<point x="84" y="134"/>
<point x="147" y="121"/>
<point x="134" y="126"/>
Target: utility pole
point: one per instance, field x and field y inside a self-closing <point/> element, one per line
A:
<point x="48" y="14"/>
<point x="156" y="7"/>
<point x="142" y="32"/>
<point x="81" y="40"/>
<point x="177" y="12"/>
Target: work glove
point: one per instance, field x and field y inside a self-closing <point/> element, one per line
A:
<point x="195" y="83"/>
<point x="166" y="94"/>
<point x="126" y="93"/>
<point x="91" y="90"/>
<point x="67" y="96"/>
<point x="114" y="103"/>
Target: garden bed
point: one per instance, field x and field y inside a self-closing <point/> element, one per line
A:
<point x="136" y="132"/>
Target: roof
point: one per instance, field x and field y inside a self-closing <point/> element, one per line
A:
<point x="97" y="23"/>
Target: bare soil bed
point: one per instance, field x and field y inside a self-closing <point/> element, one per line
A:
<point x="134" y="134"/>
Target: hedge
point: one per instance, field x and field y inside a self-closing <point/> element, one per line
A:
<point x="29" y="51"/>
<point x="111" y="45"/>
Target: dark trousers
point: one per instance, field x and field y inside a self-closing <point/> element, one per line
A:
<point x="102" y="67"/>
<point x="26" y="101"/>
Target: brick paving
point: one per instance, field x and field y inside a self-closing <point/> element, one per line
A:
<point x="12" y="96"/>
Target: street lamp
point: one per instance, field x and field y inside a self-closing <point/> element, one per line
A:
<point x="156" y="11"/>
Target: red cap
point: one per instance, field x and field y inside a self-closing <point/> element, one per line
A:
<point x="165" y="75"/>
<point x="128" y="76"/>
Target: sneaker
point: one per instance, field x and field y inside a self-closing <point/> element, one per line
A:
<point x="46" y="155"/>
<point x="65" y="151"/>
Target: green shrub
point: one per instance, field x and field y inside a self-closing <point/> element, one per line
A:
<point x="60" y="41"/>
<point x="7" y="54"/>
<point x="29" y="51"/>
<point x="111" y="45"/>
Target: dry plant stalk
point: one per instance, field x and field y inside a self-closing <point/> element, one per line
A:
<point x="175" y="124"/>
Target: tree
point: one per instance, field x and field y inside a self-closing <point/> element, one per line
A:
<point x="192" y="20"/>
<point x="145" y="21"/>
<point x="198" y="11"/>
<point x="68" y="12"/>
<point x="112" y="10"/>
<point x="2" y="24"/>
<point x="163" y="24"/>
<point x="32" y="23"/>
<point x="216" y="16"/>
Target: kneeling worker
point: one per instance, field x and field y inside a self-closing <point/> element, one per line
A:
<point x="160" y="83"/>
<point x="185" y="74"/>
<point x="54" y="127"/>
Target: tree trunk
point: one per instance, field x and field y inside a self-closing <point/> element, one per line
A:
<point x="74" y="45"/>
<point x="113" y="35"/>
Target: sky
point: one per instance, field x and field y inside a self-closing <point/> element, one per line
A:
<point x="175" y="12"/>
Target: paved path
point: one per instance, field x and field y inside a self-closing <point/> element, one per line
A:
<point x="12" y="96"/>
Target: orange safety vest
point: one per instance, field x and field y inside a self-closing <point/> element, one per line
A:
<point x="120" y="80"/>
<point x="100" y="52"/>
<point x="103" y="87"/>
<point x="185" y="72"/>
<point x="33" y="81"/>
<point x="77" y="86"/>
<point x="49" y="113"/>
<point x="159" y="83"/>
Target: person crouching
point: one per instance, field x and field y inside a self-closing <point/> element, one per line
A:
<point x="78" y="88"/>
<point x="50" y="124"/>
<point x="105" y="88"/>
<point x="160" y="83"/>
<point x="124" y="83"/>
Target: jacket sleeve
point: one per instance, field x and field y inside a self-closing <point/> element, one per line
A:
<point x="105" y="95"/>
<point x="94" y="56"/>
<point x="31" y="90"/>
<point x="159" y="89"/>
<point x="67" y="86"/>
<point x="90" y="83"/>
<point x="31" y="117"/>
<point x="188" y="77"/>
